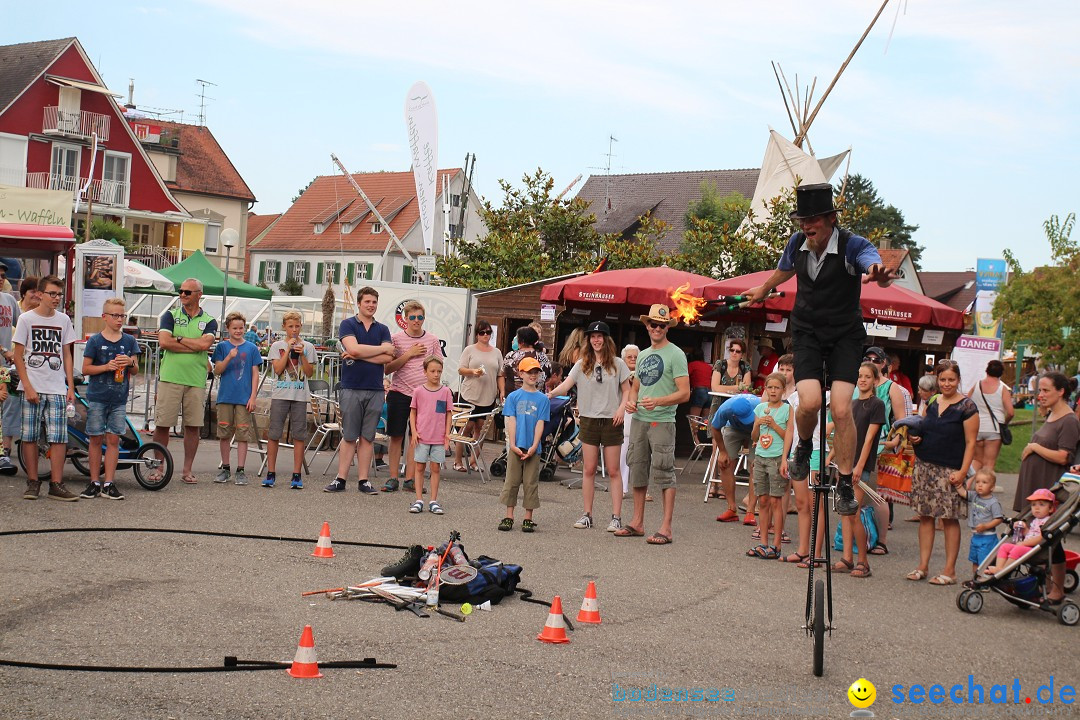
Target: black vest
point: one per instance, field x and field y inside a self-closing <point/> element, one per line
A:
<point x="833" y="298"/>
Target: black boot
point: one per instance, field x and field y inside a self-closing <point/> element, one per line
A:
<point x="408" y="565"/>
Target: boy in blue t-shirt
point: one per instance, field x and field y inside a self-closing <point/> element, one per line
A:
<point x="236" y="362"/>
<point x="109" y="359"/>
<point x="526" y="410"/>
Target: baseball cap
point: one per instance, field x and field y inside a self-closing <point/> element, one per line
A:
<point x="528" y="364"/>
<point x="874" y="350"/>
<point x="1043" y="494"/>
<point x="598" y="327"/>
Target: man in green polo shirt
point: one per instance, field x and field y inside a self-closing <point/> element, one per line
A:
<point x="185" y="336"/>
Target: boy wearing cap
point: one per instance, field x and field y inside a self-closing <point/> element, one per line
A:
<point x="826" y="324"/>
<point x="663" y="383"/>
<point x="526" y="410"/>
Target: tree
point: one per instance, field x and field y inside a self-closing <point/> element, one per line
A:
<point x="531" y="236"/>
<point x="302" y="190"/>
<point x="1042" y="307"/>
<point x="726" y="212"/>
<point x="878" y="219"/>
<point x="109" y="230"/>
<point x="292" y="286"/>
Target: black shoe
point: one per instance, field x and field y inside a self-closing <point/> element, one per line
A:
<point x="366" y="488"/>
<point x="845" y="504"/>
<point x="92" y="491"/>
<point x="407" y="566"/>
<point x="335" y="487"/>
<point x="799" y="467"/>
<point x="111" y="492"/>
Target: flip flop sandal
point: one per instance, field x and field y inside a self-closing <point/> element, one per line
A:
<point x="460" y="468"/>
<point x="916" y="575"/>
<point x="190" y="479"/>
<point x="628" y="531"/>
<point x="942" y="579"/>
<point x="805" y="564"/>
<point x="658" y="539"/>
<point x="785" y="539"/>
<point x="798" y="558"/>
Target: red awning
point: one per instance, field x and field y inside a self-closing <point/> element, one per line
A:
<point x="893" y="305"/>
<point x="638" y="286"/>
<point x="35" y="239"/>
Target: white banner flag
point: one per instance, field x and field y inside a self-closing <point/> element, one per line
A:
<point x="422" y="123"/>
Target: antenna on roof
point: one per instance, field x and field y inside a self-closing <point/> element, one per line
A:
<point x="607" y="171"/>
<point x="203" y="99"/>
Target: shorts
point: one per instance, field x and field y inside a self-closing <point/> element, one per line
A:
<point x="429" y="454"/>
<point x="599" y="431"/>
<point x="171" y="398"/>
<point x="398" y="407"/>
<point x="235" y="420"/>
<point x="651" y="454"/>
<point x="989" y="436"/>
<point x="699" y="397"/>
<point x="12" y="415"/>
<point x="767" y="478"/>
<point x="105" y="417"/>
<point x="981" y="546"/>
<point x="481" y="409"/>
<point x="51" y="408"/>
<point x="734" y="442"/>
<point x="296" y="412"/>
<point x="360" y="413"/>
<point x="840" y="348"/>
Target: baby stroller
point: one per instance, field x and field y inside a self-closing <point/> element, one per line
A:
<point x="560" y="442"/>
<point x="1022" y="581"/>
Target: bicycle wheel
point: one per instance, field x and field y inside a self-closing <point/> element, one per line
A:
<point x="819" y="628"/>
<point x="42" y="455"/>
<point x="83" y="465"/>
<point x="151" y="465"/>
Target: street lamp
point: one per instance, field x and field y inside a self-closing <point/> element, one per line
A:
<point x="230" y="239"/>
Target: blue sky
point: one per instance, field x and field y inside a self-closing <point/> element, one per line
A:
<point x="964" y="119"/>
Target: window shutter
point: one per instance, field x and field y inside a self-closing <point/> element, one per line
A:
<point x="262" y="271"/>
<point x="368" y="268"/>
<point x="277" y="271"/>
<point x="337" y="273"/>
<point x="350" y="273"/>
<point x="307" y="273"/>
<point x="406" y="274"/>
<point x="319" y="273"/>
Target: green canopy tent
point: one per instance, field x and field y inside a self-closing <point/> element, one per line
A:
<point x="213" y="279"/>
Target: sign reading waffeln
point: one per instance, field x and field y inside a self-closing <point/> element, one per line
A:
<point x="28" y="206"/>
<point x="422" y="124"/>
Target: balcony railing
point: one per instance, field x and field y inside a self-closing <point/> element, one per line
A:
<point x="77" y="124"/>
<point x="102" y="192"/>
<point x="157" y="256"/>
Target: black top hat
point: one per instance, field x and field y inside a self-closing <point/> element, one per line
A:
<point x="813" y="200"/>
<point x="598" y="327"/>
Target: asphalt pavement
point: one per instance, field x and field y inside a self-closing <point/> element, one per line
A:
<point x="694" y="614"/>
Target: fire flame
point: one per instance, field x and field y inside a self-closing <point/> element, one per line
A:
<point x="687" y="307"/>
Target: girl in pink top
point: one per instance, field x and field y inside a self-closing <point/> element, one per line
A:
<point x="430" y="413"/>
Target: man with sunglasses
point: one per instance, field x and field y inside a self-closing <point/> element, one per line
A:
<point x="411" y="347"/>
<point x="186" y="334"/>
<point x="42" y="343"/>
<point x="831" y="265"/>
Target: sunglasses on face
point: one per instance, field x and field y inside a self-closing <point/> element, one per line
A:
<point x="873" y="359"/>
<point x="735" y="350"/>
<point x="657" y="326"/>
<point x="483" y="332"/>
<point x="416" y="317"/>
<point x="188" y="292"/>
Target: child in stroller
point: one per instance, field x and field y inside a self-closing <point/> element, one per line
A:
<point x="1018" y="571"/>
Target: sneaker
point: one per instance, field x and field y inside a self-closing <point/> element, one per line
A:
<point x="845" y="502"/>
<point x="528" y="526"/>
<point x="297" y="483"/>
<point x="799" y="467"/>
<point x="337" y="486"/>
<point x="615" y="524"/>
<point x="223" y="476"/>
<point x="269" y="481"/>
<point x="435" y="508"/>
<point x="241" y="478"/>
<point x="417" y="507"/>
<point x="111" y="492"/>
<point x="407" y="486"/>
<point x="57" y="491"/>
<point x="391" y="485"/>
<point x="92" y="490"/>
<point x="584" y="522"/>
<point x="409" y="564"/>
<point x="33" y="489"/>
<point x="7" y="467"/>
<point x="366" y="488"/>
<point x="381" y="465"/>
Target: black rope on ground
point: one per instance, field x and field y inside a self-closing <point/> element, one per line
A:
<point x="231" y="664"/>
<point x="210" y="533"/>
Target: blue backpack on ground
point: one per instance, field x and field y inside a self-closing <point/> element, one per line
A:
<point x="494" y="580"/>
<point x="866" y="516"/>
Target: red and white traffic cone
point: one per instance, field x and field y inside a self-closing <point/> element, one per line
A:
<point x="304" y="663"/>
<point x="554" y="629"/>
<point x="590" y="606"/>
<point x="323" y="548"/>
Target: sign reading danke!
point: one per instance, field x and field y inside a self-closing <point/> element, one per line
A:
<point x="422" y="124"/>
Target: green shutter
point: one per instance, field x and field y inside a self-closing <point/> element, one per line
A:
<point x="277" y="270"/>
<point x="307" y="272"/>
<point x="318" y="274"/>
<point x="350" y="273"/>
<point x="406" y="274"/>
<point x="288" y="271"/>
<point x="368" y="268"/>
<point x="262" y="271"/>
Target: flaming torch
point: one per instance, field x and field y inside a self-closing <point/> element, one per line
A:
<point x="687" y="307"/>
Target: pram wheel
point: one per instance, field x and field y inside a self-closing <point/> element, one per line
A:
<point x="1068" y="613"/>
<point x="498" y="467"/>
<point x="147" y="464"/>
<point x="973" y="603"/>
<point x="960" y="598"/>
<point x="547" y="473"/>
<point x="1071" y="581"/>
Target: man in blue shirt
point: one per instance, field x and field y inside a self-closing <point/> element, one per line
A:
<point x="831" y="265"/>
<point x="732" y="424"/>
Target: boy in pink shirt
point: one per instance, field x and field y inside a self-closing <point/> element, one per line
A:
<point x="430" y="414"/>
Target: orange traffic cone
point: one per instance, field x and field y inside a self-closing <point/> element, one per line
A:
<point x="305" y="665"/>
<point x="590" y="607"/>
<point x="554" y="629"/>
<point x="323" y="548"/>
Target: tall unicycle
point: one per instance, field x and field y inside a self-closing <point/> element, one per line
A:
<point x="818" y="620"/>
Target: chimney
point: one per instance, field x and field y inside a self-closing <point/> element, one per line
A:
<point x="131" y="94"/>
<point x="885" y="243"/>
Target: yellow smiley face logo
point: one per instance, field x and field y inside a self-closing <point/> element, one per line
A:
<point x="862" y="693"/>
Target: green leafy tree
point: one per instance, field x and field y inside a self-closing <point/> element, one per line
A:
<point x="531" y="236"/>
<point x="643" y="249"/>
<point x="878" y="219"/>
<point x="302" y="190"/>
<point x="292" y="286"/>
<point x="1042" y="307"/>
<point x="725" y="212"/>
<point x="109" y="230"/>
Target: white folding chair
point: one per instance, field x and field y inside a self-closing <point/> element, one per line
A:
<point x="475" y="446"/>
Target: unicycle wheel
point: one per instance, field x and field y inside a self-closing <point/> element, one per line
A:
<point x="819" y="628"/>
